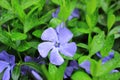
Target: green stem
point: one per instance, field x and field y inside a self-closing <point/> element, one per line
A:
<point x="19" y="56"/>
<point x="89" y="41"/>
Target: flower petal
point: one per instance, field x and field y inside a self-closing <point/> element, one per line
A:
<point x="3" y="65"/>
<point x="74" y="64"/>
<point x="68" y="49"/>
<point x="28" y="59"/>
<point x="55" y="14"/>
<point x="44" y="48"/>
<point x="6" y="57"/>
<point x="6" y="75"/>
<point x="55" y="57"/>
<point x="49" y="35"/>
<point x="36" y="75"/>
<point x="114" y="71"/>
<point x="74" y="14"/>
<point x="85" y="65"/>
<point x="64" y="34"/>
<point x="68" y="71"/>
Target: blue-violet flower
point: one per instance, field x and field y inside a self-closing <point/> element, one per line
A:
<point x="72" y="66"/>
<point x="7" y="63"/>
<point x="26" y="69"/>
<point x="57" y="41"/>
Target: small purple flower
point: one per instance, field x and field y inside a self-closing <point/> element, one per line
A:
<point x="73" y="66"/>
<point x="26" y="69"/>
<point x="57" y="41"/>
<point x="74" y="14"/>
<point x="7" y="62"/>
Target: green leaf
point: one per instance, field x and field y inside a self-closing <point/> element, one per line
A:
<point x="37" y="33"/>
<point x="5" y="4"/>
<point x="5" y="39"/>
<point x="110" y="20"/>
<point x="82" y="45"/>
<point x="52" y="70"/>
<point x="115" y="31"/>
<point x="34" y="44"/>
<point x="104" y="5"/>
<point x="79" y="75"/>
<point x="6" y="17"/>
<point x="97" y="30"/>
<point x="107" y="45"/>
<point x="58" y="2"/>
<point x="111" y="76"/>
<point x="97" y="43"/>
<point x="29" y="23"/>
<point x="66" y="9"/>
<point x="16" y="72"/>
<point x="93" y="66"/>
<point x="18" y="10"/>
<point x="18" y="36"/>
<point x="23" y="46"/>
<point x="82" y="59"/>
<point x="54" y="22"/>
<point x="60" y="71"/>
<point x="27" y="3"/>
<point x="91" y="6"/>
<point x="91" y="20"/>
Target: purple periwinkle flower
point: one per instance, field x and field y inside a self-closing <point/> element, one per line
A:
<point x="57" y="42"/>
<point x="72" y="66"/>
<point x="74" y="14"/>
<point x="7" y="62"/>
<point x="26" y="69"/>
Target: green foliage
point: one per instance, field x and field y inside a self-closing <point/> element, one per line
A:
<point x="110" y="20"/>
<point x="18" y="36"/>
<point x="97" y="43"/>
<point x="107" y="45"/>
<point x="91" y="6"/>
<point x="16" y="72"/>
<point x="80" y="76"/>
<point x="22" y="23"/>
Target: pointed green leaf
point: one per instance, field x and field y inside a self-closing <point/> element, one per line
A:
<point x="111" y="76"/>
<point x="37" y="33"/>
<point x="91" y="6"/>
<point x="18" y="10"/>
<point x="52" y="70"/>
<point x="18" y="36"/>
<point x="29" y="23"/>
<point x="54" y="22"/>
<point x="107" y="45"/>
<point x="79" y="75"/>
<point x="23" y="46"/>
<point x="5" y="4"/>
<point x="60" y="71"/>
<point x="97" y="43"/>
<point x="110" y="20"/>
<point x="16" y="72"/>
<point x="115" y="31"/>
